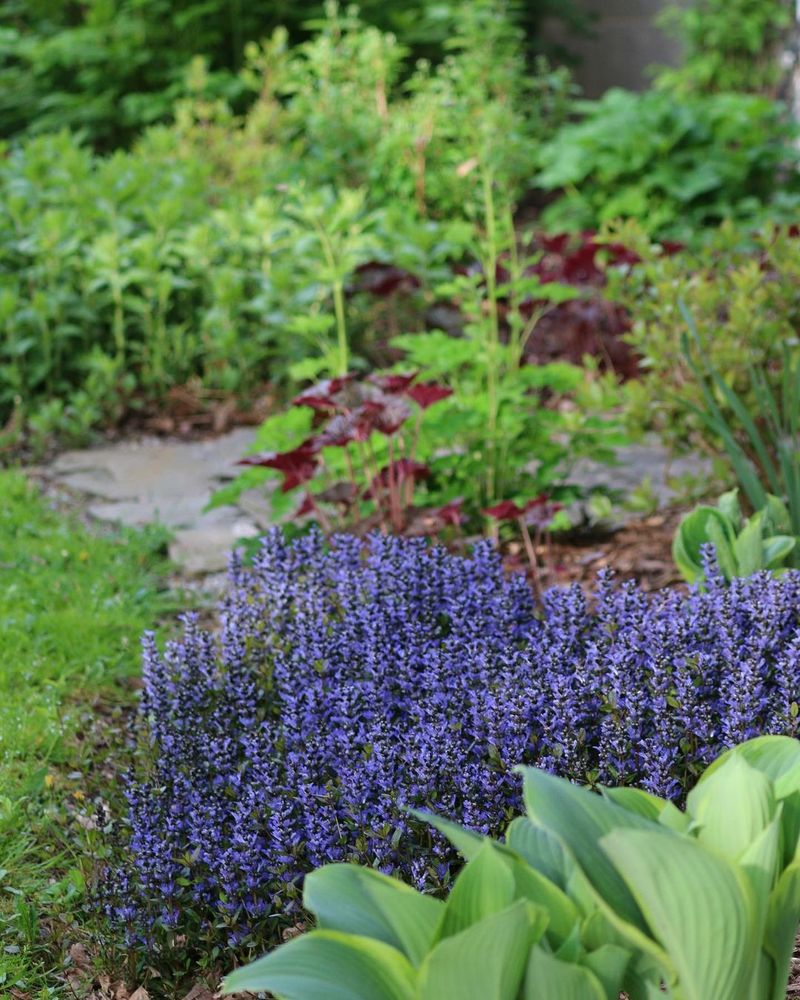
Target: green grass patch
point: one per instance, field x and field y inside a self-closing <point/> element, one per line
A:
<point x="73" y="604"/>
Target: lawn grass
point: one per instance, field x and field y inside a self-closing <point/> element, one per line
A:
<point x="73" y="604"/>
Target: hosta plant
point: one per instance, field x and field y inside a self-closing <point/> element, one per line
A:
<point x="742" y="546"/>
<point x="589" y="895"/>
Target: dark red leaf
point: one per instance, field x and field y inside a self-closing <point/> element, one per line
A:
<point x="306" y="507"/>
<point x="451" y="512"/>
<point x="381" y="279"/>
<point x="387" y="415"/>
<point x="321" y="396"/>
<point x="506" y="510"/>
<point x="541" y="511"/>
<point x="425" y="394"/>
<point x="297" y="465"/>
<point x="392" y="383"/>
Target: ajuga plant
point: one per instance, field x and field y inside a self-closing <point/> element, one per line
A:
<point x="589" y="896"/>
<point x="353" y="679"/>
<point x="741" y="546"/>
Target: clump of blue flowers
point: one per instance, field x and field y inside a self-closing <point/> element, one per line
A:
<point x="353" y="680"/>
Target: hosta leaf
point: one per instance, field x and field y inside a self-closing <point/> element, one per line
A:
<point x="484" y="886"/>
<point x="748" y="548"/>
<point x="636" y="800"/>
<point x="697" y="905"/>
<point x="328" y="965"/>
<point x="547" y="976"/>
<point x="485" y="961"/>
<point x="465" y="841"/>
<point x="732" y="807"/>
<point x="692" y="534"/>
<point x="535" y="887"/>
<point x="362" y="901"/>
<point x="540" y="849"/>
<point x="778" y="757"/>
<point x="776" y="549"/>
<point x="609" y="964"/>
<point x="580" y="818"/>
<point x="783" y="916"/>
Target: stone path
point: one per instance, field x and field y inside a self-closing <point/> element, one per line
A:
<point x="157" y="480"/>
<point x="136" y="482"/>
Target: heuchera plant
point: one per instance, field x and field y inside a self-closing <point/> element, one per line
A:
<point x="351" y="680"/>
<point x="361" y="455"/>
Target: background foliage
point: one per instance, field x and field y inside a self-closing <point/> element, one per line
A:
<point x="111" y="69"/>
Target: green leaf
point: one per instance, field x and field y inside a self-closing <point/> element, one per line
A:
<point x="580" y="818"/>
<point x="609" y="963"/>
<point x="729" y="506"/>
<point x="540" y="849"/>
<point x="733" y="807"/>
<point x="484" y="886"/>
<point x="637" y="801"/>
<point x="465" y="841"/>
<point x="485" y="961"/>
<point x="328" y="965"/>
<point x="748" y="548"/>
<point x="776" y="549"/>
<point x="365" y="902"/>
<point x="697" y="905"/>
<point x="536" y="888"/>
<point x="783" y="916"/>
<point x="777" y="757"/>
<point x="549" y="977"/>
<point x="692" y="534"/>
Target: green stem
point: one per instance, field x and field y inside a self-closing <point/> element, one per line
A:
<point x="493" y="334"/>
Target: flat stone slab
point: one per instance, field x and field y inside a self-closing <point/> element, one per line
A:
<point x="168" y="482"/>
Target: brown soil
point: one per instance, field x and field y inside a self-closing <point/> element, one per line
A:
<point x="642" y="550"/>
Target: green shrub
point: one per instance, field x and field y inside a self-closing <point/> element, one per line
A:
<point x="112" y="69"/>
<point x="727" y="45"/>
<point x="590" y="895"/>
<point x="743" y="295"/>
<point x="675" y="166"/>
<point x="222" y="248"/>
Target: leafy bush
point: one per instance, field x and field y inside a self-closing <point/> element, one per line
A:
<point x="349" y="683"/>
<point x="112" y="70"/>
<point x="589" y="896"/>
<point x="743" y="296"/>
<point x="676" y="166"/>
<point x="224" y="249"/>
<point x="741" y="547"/>
<point x="762" y="446"/>
<point x="726" y="45"/>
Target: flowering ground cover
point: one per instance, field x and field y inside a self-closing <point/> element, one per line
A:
<point x="71" y="607"/>
<point x="364" y="682"/>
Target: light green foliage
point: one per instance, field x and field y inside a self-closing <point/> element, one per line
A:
<point x="494" y="438"/>
<point x="220" y="248"/>
<point x="762" y="444"/>
<point x="590" y="896"/>
<point x="675" y="166"/>
<point x="727" y="45"/>
<point x="72" y="608"/>
<point x="743" y="294"/>
<point x="112" y="69"/>
<point x="742" y="546"/>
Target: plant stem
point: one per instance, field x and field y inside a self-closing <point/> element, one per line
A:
<point x="531" y="553"/>
<point x="492" y="333"/>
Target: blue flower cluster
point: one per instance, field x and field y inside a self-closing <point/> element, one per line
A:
<point x="350" y="681"/>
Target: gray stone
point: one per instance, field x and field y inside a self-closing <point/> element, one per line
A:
<point x="169" y="482"/>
